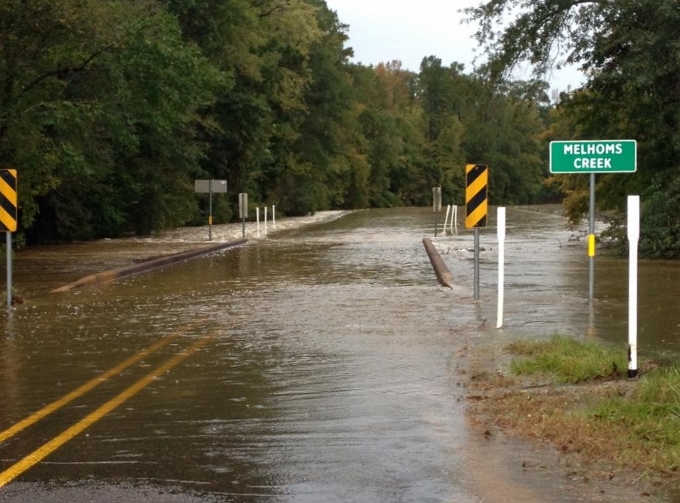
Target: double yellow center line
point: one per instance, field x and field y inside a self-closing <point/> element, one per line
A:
<point x="41" y="453"/>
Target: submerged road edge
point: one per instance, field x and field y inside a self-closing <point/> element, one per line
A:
<point x="444" y="276"/>
<point x="103" y="277"/>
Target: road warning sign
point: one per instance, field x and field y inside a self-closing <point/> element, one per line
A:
<point x="476" y="195"/>
<point x="8" y="200"/>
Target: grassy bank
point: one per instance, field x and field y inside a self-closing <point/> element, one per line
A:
<point x="576" y="395"/>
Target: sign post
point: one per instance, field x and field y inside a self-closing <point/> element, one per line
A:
<point x="591" y="240"/>
<point x="436" y="205"/>
<point x="593" y="157"/>
<point x="243" y="209"/>
<point x="8" y="218"/>
<point x="8" y="240"/>
<point x="633" y="238"/>
<point x="210" y="186"/>
<point x="476" y="206"/>
<point x="210" y="191"/>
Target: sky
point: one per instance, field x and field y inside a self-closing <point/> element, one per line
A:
<point x="385" y="30"/>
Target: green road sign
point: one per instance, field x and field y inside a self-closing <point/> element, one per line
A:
<point x="599" y="156"/>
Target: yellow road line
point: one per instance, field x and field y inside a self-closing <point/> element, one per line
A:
<point x="88" y="386"/>
<point x="41" y="453"/>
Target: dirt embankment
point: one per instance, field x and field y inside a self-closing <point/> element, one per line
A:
<point x="521" y="442"/>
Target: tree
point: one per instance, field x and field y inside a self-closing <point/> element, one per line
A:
<point x="327" y="158"/>
<point x="440" y="92"/>
<point x="504" y="130"/>
<point x="383" y="95"/>
<point x="88" y="86"/>
<point x="629" y="51"/>
<point x="110" y="110"/>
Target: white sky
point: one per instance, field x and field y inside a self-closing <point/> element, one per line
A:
<point x="385" y="30"/>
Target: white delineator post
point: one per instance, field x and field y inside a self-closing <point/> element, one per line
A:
<point x="257" y="213"/>
<point x="501" y="265"/>
<point x="265" y="220"/>
<point x="446" y="219"/>
<point x="633" y="238"/>
<point x="274" y="215"/>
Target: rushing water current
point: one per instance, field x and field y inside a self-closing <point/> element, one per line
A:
<point x="325" y="364"/>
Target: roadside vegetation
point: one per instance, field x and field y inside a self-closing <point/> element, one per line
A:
<point x="567" y="360"/>
<point x="110" y="110"/>
<point x="575" y="394"/>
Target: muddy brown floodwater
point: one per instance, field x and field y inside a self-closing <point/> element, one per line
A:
<point x="317" y="364"/>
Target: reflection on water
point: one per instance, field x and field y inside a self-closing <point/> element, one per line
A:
<point x="330" y="377"/>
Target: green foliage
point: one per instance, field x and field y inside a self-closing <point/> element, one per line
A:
<point x="566" y="359"/>
<point x="110" y="110"/>
<point x="629" y="53"/>
<point x="99" y="117"/>
<point x="660" y="227"/>
<point x="504" y="132"/>
<point x="650" y="414"/>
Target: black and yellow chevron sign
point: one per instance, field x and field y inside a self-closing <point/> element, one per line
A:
<point x="476" y="195"/>
<point x="8" y="200"/>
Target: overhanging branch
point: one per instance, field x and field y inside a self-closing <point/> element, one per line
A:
<point x="61" y="71"/>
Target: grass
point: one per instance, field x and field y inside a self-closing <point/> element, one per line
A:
<point x="649" y="417"/>
<point x="567" y="360"/>
<point x="604" y="416"/>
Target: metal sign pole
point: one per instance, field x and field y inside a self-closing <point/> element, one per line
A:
<point x="476" y="263"/>
<point x="243" y="209"/>
<point x="591" y="239"/>
<point x="436" y="205"/>
<point x="210" y="211"/>
<point x="211" y="187"/>
<point x="9" y="268"/>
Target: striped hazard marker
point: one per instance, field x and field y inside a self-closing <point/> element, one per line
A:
<point x="8" y="200"/>
<point x="476" y="195"/>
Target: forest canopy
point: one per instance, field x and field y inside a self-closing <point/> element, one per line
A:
<point x="110" y="110"/>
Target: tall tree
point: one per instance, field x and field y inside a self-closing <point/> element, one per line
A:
<point x="504" y="131"/>
<point x="629" y="52"/>
<point x="440" y="93"/>
<point x="72" y="107"/>
<point x="326" y="159"/>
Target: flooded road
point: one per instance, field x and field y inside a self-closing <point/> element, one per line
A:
<point x="326" y="376"/>
<point x="546" y="283"/>
<point x="316" y="365"/>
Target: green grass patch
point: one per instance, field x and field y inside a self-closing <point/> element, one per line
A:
<point x="567" y="360"/>
<point x="650" y="414"/>
<point x="633" y="423"/>
<point x="636" y="426"/>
